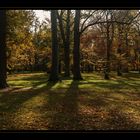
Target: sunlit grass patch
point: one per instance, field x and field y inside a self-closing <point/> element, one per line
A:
<point x="91" y="80"/>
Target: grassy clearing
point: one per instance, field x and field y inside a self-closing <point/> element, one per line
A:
<point x="91" y="104"/>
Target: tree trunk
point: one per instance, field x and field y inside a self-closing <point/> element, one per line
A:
<point x="107" y="68"/>
<point x="119" y="51"/>
<point x="66" y="41"/>
<point x="119" y="73"/>
<point x="67" y="46"/>
<point x="54" y="68"/>
<point x="76" y="49"/>
<point x="3" y="60"/>
<point x="127" y="52"/>
<point x="60" y="66"/>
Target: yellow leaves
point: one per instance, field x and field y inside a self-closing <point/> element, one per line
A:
<point x="21" y="56"/>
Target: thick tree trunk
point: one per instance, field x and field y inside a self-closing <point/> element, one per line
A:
<point x="3" y="61"/>
<point x="67" y="46"/>
<point x="66" y="41"/>
<point x="107" y="68"/>
<point x="54" y="68"/>
<point x="110" y="36"/>
<point x="76" y="49"/>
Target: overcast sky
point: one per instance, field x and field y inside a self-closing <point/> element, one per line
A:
<point x="42" y="14"/>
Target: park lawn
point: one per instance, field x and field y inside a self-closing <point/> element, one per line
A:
<point x="31" y="103"/>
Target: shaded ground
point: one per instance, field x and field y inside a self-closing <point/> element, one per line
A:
<point x="91" y="104"/>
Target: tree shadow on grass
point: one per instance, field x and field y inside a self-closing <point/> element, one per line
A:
<point x="12" y="102"/>
<point x="65" y="108"/>
<point x="62" y="106"/>
<point x="12" y="99"/>
<point x="119" y="84"/>
<point x="29" y="80"/>
<point x="109" y="113"/>
<point x="28" y="92"/>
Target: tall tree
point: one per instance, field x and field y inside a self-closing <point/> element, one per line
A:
<point x="65" y="35"/>
<point x="109" y="40"/>
<point x="108" y="46"/>
<point x="107" y="67"/>
<point x="3" y="64"/>
<point x="76" y="49"/>
<point x="67" y="47"/>
<point x="54" y="68"/>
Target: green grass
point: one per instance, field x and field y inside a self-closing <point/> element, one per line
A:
<point x="90" y="104"/>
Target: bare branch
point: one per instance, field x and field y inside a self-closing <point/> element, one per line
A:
<point x="87" y="19"/>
